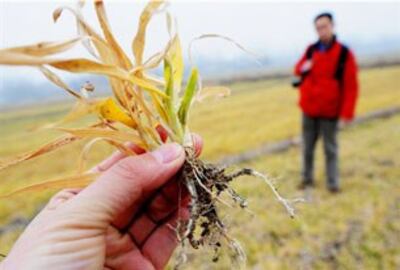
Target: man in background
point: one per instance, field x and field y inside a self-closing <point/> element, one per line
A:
<point x="328" y="93"/>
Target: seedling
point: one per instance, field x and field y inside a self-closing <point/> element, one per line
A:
<point x="144" y="109"/>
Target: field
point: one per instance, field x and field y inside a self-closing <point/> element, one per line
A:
<point x="357" y="229"/>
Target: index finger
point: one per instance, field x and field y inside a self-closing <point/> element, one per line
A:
<point x="118" y="155"/>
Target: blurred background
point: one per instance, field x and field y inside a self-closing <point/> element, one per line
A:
<point x="277" y="32"/>
<point x="257" y="126"/>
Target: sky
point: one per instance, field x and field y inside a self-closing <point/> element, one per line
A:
<point x="274" y="29"/>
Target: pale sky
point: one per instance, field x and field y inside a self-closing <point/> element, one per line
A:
<point x="268" y="28"/>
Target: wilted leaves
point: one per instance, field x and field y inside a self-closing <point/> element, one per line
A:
<point x="46" y="148"/>
<point x="142" y="103"/>
<point x="76" y="181"/>
<point x="110" y="110"/>
<point x="140" y="38"/>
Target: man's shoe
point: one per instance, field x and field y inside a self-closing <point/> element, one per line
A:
<point x="334" y="190"/>
<point x="304" y="185"/>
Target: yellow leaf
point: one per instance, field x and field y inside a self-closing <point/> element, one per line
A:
<point x="154" y="80"/>
<point x="51" y="76"/>
<point x="83" y="157"/>
<point x="45" y="48"/>
<point x="159" y="107"/>
<point x="169" y="23"/>
<point x="81" y="109"/>
<point x="176" y="58"/>
<point x="153" y="62"/>
<point x="76" y="181"/>
<point x="140" y="38"/>
<point x="122" y="148"/>
<point x="146" y="84"/>
<point x="109" y="110"/>
<point x="82" y="65"/>
<point x="83" y="28"/>
<point x="102" y="17"/>
<point x="88" y="66"/>
<point x="46" y="148"/>
<point x="92" y="133"/>
<point x="8" y="57"/>
<point x="103" y="51"/>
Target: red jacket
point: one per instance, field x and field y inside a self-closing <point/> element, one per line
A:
<point x="320" y="92"/>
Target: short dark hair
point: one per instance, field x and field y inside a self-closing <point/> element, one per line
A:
<point x="322" y="15"/>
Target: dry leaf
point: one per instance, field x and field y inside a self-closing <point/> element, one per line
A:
<point x="140" y="38"/>
<point x="51" y="76"/>
<point x="45" y="48"/>
<point x="92" y="133"/>
<point x="120" y="54"/>
<point x="46" y="148"/>
<point x="76" y="181"/>
<point x="109" y="110"/>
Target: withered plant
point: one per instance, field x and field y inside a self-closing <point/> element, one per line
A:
<point x="144" y="109"/>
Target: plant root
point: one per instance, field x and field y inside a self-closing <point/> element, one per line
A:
<point x="205" y="183"/>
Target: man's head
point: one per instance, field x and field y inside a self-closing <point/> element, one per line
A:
<point x="324" y="26"/>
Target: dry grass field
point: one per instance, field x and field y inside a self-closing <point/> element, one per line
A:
<point x="357" y="229"/>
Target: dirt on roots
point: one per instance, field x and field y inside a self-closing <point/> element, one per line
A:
<point x="206" y="182"/>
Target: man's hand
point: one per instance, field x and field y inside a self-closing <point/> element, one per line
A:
<point x="126" y="219"/>
<point x="306" y="67"/>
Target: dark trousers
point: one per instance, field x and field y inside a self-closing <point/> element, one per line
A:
<point x="313" y="127"/>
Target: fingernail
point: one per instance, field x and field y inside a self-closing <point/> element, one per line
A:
<point x="168" y="152"/>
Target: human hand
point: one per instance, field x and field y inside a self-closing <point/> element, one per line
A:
<point x="307" y="65"/>
<point x="126" y="219"/>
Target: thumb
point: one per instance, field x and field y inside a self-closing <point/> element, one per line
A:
<point x="126" y="181"/>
